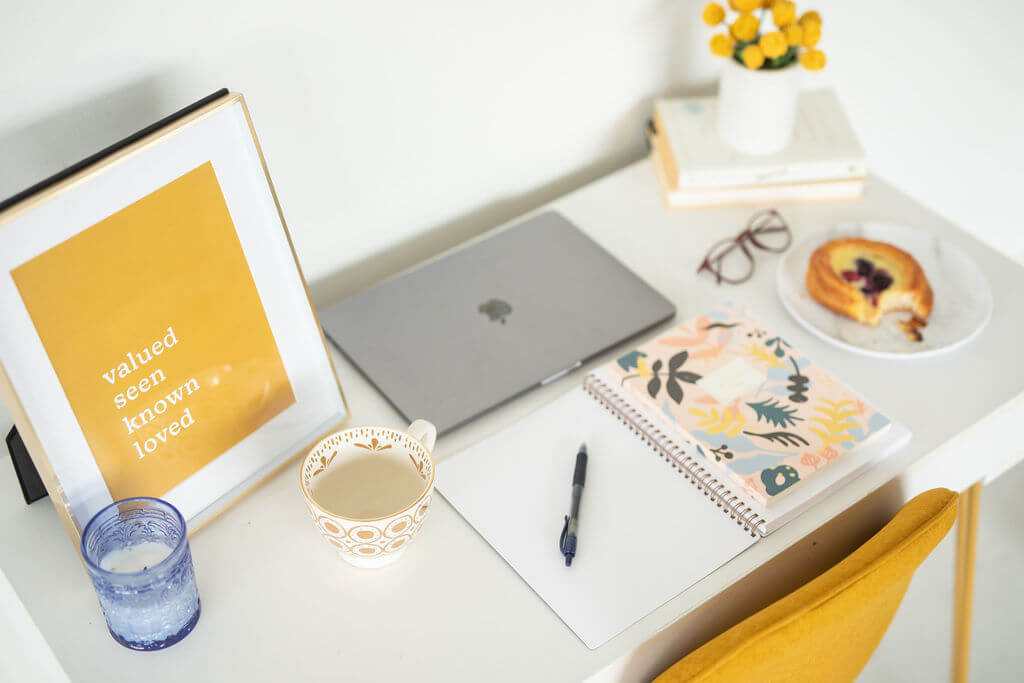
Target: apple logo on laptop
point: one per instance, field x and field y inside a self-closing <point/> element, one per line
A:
<point x="495" y="309"/>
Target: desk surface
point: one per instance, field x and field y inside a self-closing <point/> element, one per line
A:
<point x="278" y="604"/>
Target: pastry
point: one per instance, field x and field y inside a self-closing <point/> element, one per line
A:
<point x="864" y="280"/>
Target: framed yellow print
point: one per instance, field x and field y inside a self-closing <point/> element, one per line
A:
<point x="159" y="339"/>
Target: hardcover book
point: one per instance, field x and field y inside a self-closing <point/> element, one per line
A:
<point x="824" y="147"/>
<point x="751" y="195"/>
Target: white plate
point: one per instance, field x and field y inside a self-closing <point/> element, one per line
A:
<point x="963" y="299"/>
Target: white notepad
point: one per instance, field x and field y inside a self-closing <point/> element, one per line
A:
<point x="644" y="534"/>
<point x="647" y="532"/>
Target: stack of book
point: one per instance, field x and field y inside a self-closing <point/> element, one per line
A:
<point x="696" y="168"/>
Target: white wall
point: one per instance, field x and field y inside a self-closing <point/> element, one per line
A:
<point x="394" y="130"/>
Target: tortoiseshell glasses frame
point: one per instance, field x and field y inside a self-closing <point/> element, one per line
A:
<point x="766" y="230"/>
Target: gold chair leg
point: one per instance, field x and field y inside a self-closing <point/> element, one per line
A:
<point x="966" y="545"/>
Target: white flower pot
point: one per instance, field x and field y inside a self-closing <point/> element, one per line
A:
<point x="757" y="109"/>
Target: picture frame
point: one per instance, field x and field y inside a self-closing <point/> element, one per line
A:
<point x="159" y="337"/>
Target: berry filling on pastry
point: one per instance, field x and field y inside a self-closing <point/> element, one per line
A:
<point x="871" y="280"/>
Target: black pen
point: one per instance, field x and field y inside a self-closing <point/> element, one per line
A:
<point x="570" y="532"/>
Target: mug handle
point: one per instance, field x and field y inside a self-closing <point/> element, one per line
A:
<point x="424" y="432"/>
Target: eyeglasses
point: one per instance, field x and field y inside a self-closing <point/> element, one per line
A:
<point x="731" y="261"/>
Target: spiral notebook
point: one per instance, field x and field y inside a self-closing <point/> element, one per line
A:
<point x="664" y="506"/>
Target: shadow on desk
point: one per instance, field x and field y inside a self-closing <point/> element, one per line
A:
<point x="625" y="137"/>
<point x="441" y="238"/>
<point x="788" y="571"/>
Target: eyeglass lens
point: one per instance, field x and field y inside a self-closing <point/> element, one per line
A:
<point x="769" y="232"/>
<point x="731" y="261"/>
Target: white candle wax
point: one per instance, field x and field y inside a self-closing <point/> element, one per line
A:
<point x="136" y="558"/>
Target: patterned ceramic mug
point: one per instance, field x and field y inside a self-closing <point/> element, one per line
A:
<point x="380" y="540"/>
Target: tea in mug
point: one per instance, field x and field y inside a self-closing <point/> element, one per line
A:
<point x="368" y="487"/>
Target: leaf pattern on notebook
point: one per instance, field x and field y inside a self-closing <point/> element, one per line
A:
<point x="799" y="384"/>
<point x="714" y="422"/>
<point x="672" y="379"/>
<point x="834" y="421"/>
<point x="762" y="354"/>
<point x="772" y="412"/>
<point x="759" y="410"/>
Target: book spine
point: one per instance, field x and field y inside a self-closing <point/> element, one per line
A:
<point x="835" y="190"/>
<point x="659" y="143"/>
<point x="675" y="455"/>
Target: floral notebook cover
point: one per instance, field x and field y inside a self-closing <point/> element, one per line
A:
<point x="757" y="409"/>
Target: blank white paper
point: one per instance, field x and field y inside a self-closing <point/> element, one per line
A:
<point x="646" y="533"/>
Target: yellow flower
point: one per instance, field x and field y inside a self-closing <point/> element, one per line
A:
<point x="722" y="45"/>
<point x="745" y="27"/>
<point x="783" y="13"/>
<point x="794" y="34"/>
<point x="713" y="14"/>
<point x="753" y="57"/>
<point x="745" y="5"/>
<point x="642" y="369"/>
<point x="773" y="44"/>
<point x="811" y="34"/>
<point x="809" y="17"/>
<point x="813" y="60"/>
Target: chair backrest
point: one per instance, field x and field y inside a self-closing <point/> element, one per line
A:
<point x="828" y="629"/>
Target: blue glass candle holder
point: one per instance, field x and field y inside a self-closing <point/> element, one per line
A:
<point x="137" y="554"/>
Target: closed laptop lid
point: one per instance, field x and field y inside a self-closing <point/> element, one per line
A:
<point x="462" y="333"/>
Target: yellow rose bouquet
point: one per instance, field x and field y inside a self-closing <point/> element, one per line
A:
<point x="753" y="42"/>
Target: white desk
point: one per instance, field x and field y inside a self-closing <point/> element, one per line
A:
<point x="279" y="605"/>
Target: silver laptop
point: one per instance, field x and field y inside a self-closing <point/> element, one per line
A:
<point x="463" y="333"/>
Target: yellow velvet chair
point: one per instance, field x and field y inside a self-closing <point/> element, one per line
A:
<point x="828" y="629"/>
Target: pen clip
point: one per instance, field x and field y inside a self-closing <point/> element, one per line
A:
<point x="561" y="539"/>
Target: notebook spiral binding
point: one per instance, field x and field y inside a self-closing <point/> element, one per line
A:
<point x="716" y="491"/>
